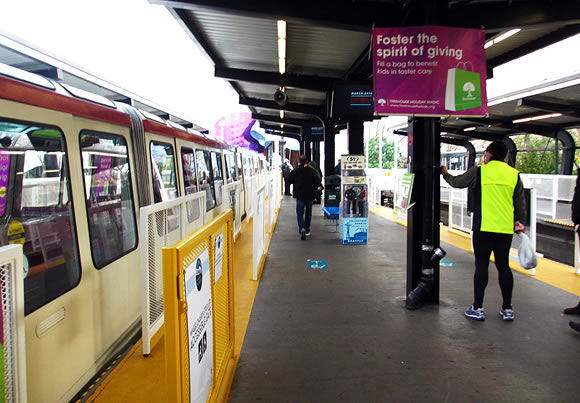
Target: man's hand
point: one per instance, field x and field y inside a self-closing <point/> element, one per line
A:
<point x="443" y="170"/>
<point x="519" y="227"/>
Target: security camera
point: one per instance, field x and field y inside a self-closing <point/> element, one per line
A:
<point x="280" y="97"/>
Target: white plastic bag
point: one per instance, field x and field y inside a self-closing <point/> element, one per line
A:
<point x="526" y="253"/>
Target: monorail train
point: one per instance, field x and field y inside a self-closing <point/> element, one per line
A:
<point x="74" y="170"/>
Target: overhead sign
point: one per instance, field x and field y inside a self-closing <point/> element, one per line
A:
<point x="313" y="132"/>
<point x="429" y="71"/>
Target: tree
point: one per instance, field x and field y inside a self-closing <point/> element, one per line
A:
<point x="388" y="154"/>
<point x="536" y="155"/>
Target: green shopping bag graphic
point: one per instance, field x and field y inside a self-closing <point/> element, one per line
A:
<point x="463" y="89"/>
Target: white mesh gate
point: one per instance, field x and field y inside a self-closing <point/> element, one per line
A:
<point x="12" y="322"/>
<point x="231" y="198"/>
<point x="164" y="224"/>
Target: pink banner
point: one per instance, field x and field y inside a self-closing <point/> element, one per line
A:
<point x="429" y="70"/>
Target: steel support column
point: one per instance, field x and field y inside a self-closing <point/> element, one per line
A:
<point x="316" y="153"/>
<point x="329" y="149"/>
<point x="355" y="137"/>
<point x="423" y="217"/>
<point x="308" y="149"/>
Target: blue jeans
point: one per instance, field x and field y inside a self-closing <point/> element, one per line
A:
<point x="304" y="214"/>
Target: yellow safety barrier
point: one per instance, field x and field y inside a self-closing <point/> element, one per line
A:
<point x="178" y="263"/>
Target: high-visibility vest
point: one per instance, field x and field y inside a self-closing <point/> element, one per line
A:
<point x="498" y="182"/>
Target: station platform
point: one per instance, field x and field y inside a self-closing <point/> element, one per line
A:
<point x="342" y="334"/>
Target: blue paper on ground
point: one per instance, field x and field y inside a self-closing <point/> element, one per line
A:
<point x="316" y="264"/>
<point x="446" y="263"/>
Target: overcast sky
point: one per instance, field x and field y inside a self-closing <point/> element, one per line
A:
<point x="141" y="48"/>
<point x="130" y="43"/>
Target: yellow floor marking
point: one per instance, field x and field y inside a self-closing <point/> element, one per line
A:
<point x="549" y="272"/>
<point x="136" y="378"/>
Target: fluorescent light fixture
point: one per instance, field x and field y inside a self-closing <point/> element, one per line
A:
<point x="539" y="117"/>
<point x="501" y="37"/>
<point x="281" y="46"/>
<point x="469" y="129"/>
<point x="443" y="133"/>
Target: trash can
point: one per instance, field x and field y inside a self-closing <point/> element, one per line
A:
<point x="332" y="191"/>
<point x="387" y="198"/>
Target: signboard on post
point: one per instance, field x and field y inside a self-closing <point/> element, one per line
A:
<point x="404" y="190"/>
<point x="429" y="71"/>
<point x="354" y="221"/>
<point x="199" y="326"/>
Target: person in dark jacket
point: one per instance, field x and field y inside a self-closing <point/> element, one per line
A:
<point x="306" y="184"/>
<point x="286" y="171"/>
<point x="318" y="197"/>
<point x="575" y="310"/>
<point x="500" y="208"/>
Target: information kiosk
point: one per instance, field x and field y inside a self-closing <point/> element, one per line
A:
<point x="354" y="221"/>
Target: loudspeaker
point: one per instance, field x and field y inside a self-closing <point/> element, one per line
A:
<point x="280" y="97"/>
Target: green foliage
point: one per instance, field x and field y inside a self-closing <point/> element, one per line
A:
<point x="536" y="155"/>
<point x="388" y="154"/>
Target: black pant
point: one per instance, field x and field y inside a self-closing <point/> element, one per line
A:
<point x="483" y="244"/>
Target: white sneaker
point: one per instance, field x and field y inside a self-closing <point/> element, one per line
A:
<point x="507" y="314"/>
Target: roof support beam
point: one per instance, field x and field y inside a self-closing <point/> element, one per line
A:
<point x="276" y="119"/>
<point x="361" y="16"/>
<point x="538" y="44"/>
<point x="567" y="110"/>
<point x="285" y="129"/>
<point x="283" y="133"/>
<point x="313" y="83"/>
<point x="290" y="107"/>
<point x="518" y="127"/>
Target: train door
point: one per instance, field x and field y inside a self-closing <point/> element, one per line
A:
<point x="186" y="167"/>
<point x="108" y="185"/>
<point x="210" y="178"/>
<point x="42" y="207"/>
<point x="239" y="170"/>
<point x="37" y="212"/>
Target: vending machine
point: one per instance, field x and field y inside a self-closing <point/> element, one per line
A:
<point x="354" y="221"/>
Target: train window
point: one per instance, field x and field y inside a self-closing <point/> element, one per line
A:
<point x="189" y="172"/>
<point x="36" y="210"/>
<point x="108" y="195"/>
<point x="205" y="180"/>
<point x="217" y="176"/>
<point x="163" y="168"/>
<point x="239" y="164"/>
<point x="249" y="167"/>
<point x="231" y="172"/>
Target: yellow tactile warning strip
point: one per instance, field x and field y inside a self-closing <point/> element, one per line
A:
<point x="548" y="271"/>
<point x="558" y="222"/>
<point x="140" y="379"/>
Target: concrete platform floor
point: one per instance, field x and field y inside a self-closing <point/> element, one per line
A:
<point x="342" y="334"/>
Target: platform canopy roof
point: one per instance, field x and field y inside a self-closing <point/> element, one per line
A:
<point x="329" y="41"/>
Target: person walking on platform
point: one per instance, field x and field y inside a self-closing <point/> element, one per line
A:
<point x="575" y="310"/>
<point x="318" y="193"/>
<point x="499" y="211"/>
<point x="286" y="170"/>
<point x="306" y="184"/>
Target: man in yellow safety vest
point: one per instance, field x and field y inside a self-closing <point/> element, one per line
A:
<point x="498" y="213"/>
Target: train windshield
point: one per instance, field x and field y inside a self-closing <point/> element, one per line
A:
<point x="36" y="209"/>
